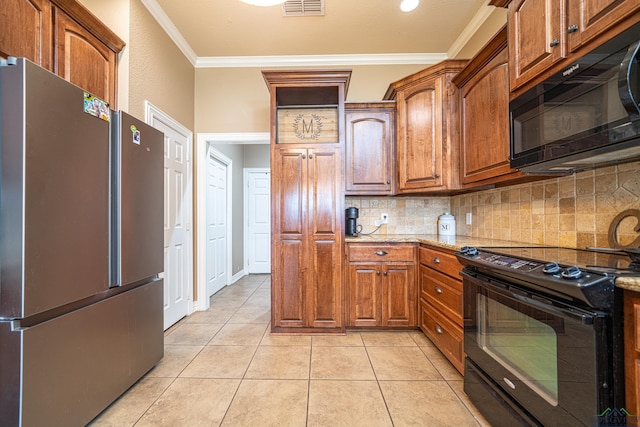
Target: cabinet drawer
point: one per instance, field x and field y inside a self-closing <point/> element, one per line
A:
<point x="444" y="334"/>
<point x="381" y="253"/>
<point x="444" y="262"/>
<point x="443" y="292"/>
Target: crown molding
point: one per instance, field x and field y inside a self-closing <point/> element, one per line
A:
<point x="469" y="31"/>
<point x="167" y="25"/>
<point x="235" y="138"/>
<point x="319" y="60"/>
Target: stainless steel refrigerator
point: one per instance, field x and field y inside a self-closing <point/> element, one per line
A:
<point x="81" y="250"/>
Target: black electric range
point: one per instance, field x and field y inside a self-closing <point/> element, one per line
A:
<point x="583" y="276"/>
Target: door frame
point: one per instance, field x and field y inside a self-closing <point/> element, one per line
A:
<point x="153" y="113"/>
<point x="205" y="150"/>
<point x="245" y="202"/>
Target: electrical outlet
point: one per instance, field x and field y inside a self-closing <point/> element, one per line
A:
<point x="468" y="218"/>
<point x="385" y="218"/>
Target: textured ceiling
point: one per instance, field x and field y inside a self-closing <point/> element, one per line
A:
<point x="218" y="28"/>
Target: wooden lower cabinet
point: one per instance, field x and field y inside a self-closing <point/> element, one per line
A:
<point x="381" y="285"/>
<point x="441" y="304"/>
<point x="632" y="351"/>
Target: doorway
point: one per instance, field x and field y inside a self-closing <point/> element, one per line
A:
<point x="178" y="238"/>
<point x="217" y="219"/>
<point x="257" y="213"/>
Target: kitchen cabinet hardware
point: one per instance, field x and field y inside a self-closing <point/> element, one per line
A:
<point x="381" y="253"/>
<point x="311" y="155"/>
<point x="378" y="272"/>
<point x="436" y="260"/>
<point x="438" y="289"/>
<point x="572" y="28"/>
<point x="554" y="43"/>
<point x="438" y="329"/>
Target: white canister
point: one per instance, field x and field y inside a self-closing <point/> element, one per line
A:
<point x="446" y="225"/>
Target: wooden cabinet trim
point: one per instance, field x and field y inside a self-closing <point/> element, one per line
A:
<point x="89" y="22"/>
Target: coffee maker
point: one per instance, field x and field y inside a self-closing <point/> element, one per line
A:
<point x="351" y="214"/>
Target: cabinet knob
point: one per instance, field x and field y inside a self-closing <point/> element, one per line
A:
<point x="304" y="156"/>
<point x="438" y="329"/>
<point x="388" y="181"/>
<point x="438" y="289"/>
<point x="311" y="155"/>
<point x="381" y="253"/>
<point x="572" y="28"/>
<point x="385" y="273"/>
<point x="554" y="43"/>
<point x="437" y="175"/>
<point x="436" y="260"/>
<point x="378" y="273"/>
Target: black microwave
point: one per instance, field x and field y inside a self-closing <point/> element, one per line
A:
<point x="583" y="117"/>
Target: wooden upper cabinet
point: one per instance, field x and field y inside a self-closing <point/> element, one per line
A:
<point x="82" y="59"/>
<point x="536" y="39"/>
<point x="427" y="132"/>
<point x="589" y="19"/>
<point x="369" y="147"/>
<point x="547" y="35"/>
<point x="25" y="30"/>
<point x="64" y="37"/>
<point x="484" y="116"/>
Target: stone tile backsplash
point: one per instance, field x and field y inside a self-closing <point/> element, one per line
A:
<point x="407" y="215"/>
<point x="571" y="211"/>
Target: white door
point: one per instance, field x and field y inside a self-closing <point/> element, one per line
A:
<point x="258" y="221"/>
<point x="216" y="225"/>
<point x="177" y="216"/>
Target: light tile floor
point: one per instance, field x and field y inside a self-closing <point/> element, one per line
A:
<point x="223" y="367"/>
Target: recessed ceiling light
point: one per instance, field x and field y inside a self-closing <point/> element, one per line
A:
<point x="408" y="5"/>
<point x="263" y="2"/>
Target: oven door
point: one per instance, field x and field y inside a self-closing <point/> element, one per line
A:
<point x="552" y="359"/>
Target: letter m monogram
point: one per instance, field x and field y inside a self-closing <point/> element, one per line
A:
<point x="307" y="128"/>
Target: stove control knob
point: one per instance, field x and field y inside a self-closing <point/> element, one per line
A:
<point x="551" y="268"/>
<point x="572" y="273"/>
<point x="472" y="252"/>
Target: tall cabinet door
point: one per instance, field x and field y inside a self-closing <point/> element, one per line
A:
<point x="83" y="59"/>
<point x="289" y="224"/>
<point x="325" y="237"/>
<point x="420" y="136"/>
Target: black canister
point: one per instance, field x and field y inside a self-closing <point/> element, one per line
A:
<point x="351" y="214"/>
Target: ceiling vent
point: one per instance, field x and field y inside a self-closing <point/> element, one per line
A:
<point x="303" y="8"/>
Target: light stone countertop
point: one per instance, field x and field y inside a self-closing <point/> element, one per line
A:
<point x="456" y="242"/>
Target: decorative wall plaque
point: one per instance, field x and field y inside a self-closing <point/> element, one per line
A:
<point x="613" y="229"/>
<point x="307" y="125"/>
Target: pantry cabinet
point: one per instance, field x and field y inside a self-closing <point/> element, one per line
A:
<point x="441" y="303"/>
<point x="381" y="285"/>
<point x="427" y="129"/>
<point x="547" y="35"/>
<point x="65" y="38"/>
<point x="369" y="148"/>
<point x="307" y="203"/>
<point x="484" y="116"/>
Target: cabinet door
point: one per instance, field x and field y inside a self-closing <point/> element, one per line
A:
<point x="588" y="19"/>
<point x="25" y="30"/>
<point x="82" y="59"/>
<point x="325" y="231"/>
<point x="288" y="222"/>
<point x="536" y="38"/>
<point x="364" y="294"/>
<point x="632" y="350"/>
<point x="369" y="141"/>
<point x="485" y="123"/>
<point x="420" y="136"/>
<point x="399" y="295"/>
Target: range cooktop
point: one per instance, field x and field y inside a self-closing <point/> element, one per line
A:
<point x="574" y="274"/>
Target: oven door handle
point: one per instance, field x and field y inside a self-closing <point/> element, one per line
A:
<point x="516" y="293"/>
